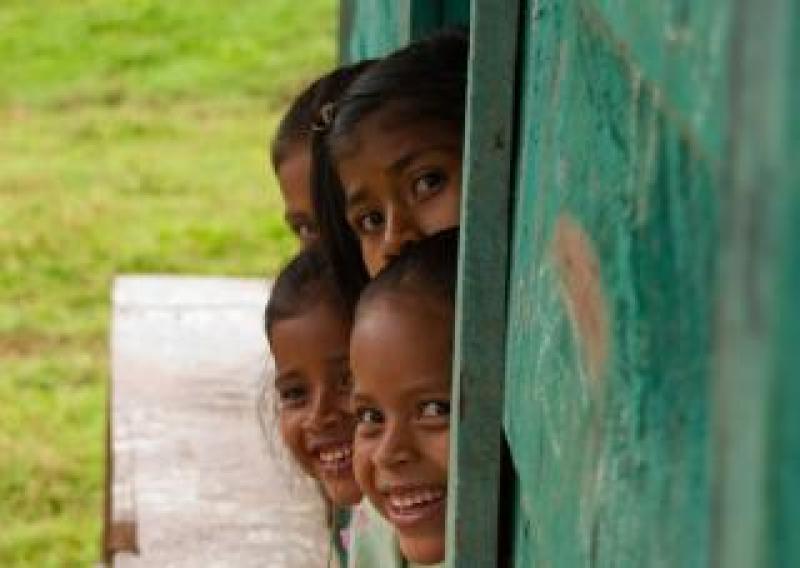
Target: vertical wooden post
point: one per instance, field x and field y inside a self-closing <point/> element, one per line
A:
<point x="757" y="386"/>
<point x="479" y="358"/>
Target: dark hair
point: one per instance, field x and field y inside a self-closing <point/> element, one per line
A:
<point x="426" y="268"/>
<point x="304" y="282"/>
<point x="424" y="81"/>
<point x="296" y="125"/>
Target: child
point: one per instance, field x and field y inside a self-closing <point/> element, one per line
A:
<point x="290" y="151"/>
<point x="401" y="392"/>
<point x="308" y="330"/>
<point x="386" y="167"/>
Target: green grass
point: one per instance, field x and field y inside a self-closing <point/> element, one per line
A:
<point x="132" y="139"/>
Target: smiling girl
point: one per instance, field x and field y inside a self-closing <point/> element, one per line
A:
<point x="386" y="167"/>
<point x="309" y="334"/>
<point x="400" y="356"/>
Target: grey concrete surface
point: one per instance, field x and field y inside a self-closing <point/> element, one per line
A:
<point x="193" y="483"/>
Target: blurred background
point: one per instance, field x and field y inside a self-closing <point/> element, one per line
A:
<point x="133" y="138"/>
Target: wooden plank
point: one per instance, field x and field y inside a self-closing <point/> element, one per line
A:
<point x="192" y="481"/>
<point x="756" y="441"/>
<point x="479" y="358"/>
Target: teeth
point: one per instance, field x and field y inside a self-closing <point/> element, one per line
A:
<point x="335" y="455"/>
<point x="416" y="499"/>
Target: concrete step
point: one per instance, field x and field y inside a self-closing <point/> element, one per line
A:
<point x="193" y="481"/>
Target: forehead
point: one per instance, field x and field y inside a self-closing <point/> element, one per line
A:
<point x="402" y="343"/>
<point x="314" y="333"/>
<point x="386" y="133"/>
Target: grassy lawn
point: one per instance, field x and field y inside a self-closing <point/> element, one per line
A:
<point x="132" y="139"/>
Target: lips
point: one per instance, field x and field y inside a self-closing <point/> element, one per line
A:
<point x="409" y="506"/>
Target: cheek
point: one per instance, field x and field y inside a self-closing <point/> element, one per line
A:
<point x="438" y="450"/>
<point x="362" y="463"/>
<point x="441" y="213"/>
<point x="292" y="435"/>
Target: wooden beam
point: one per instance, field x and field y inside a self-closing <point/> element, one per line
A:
<point x="756" y="473"/>
<point x="479" y="358"/>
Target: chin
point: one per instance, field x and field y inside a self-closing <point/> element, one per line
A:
<point x="344" y="496"/>
<point x="423" y="551"/>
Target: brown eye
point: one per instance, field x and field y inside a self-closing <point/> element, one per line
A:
<point x="368" y="421"/>
<point x="292" y="396"/>
<point x="428" y="184"/>
<point x="434" y="409"/>
<point x="370" y="222"/>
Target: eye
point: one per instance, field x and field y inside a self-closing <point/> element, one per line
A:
<point x="368" y="416"/>
<point x="292" y="396"/>
<point x="305" y="231"/>
<point x="369" y="222"/>
<point x="428" y="184"/>
<point x="434" y="409"/>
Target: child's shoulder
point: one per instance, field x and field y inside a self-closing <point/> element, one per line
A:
<point x="372" y="540"/>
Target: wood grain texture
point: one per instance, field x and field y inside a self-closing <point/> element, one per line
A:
<point x="479" y="358"/>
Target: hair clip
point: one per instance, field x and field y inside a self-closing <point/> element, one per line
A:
<point x="323" y="123"/>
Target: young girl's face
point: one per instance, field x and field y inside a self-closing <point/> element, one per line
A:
<point x="294" y="174"/>
<point x="402" y="182"/>
<point x="313" y="388"/>
<point x="400" y="356"/>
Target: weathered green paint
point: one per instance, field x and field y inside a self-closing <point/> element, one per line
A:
<point x="479" y="358"/>
<point x="757" y="392"/>
<point x="610" y="337"/>
<point x="649" y="307"/>
<point x="372" y="28"/>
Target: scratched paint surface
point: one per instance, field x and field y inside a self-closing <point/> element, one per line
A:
<point x="374" y="28"/>
<point x="615" y="232"/>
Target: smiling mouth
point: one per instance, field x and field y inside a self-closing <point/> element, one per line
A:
<point x="408" y="507"/>
<point x="336" y="460"/>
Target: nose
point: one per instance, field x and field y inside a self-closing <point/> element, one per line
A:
<point x="401" y="229"/>
<point x="323" y="412"/>
<point x="396" y="447"/>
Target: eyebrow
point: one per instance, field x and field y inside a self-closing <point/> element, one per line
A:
<point x="361" y="397"/>
<point x="287" y="376"/>
<point x="338" y="358"/>
<point x="409" y="158"/>
<point x="355" y="198"/>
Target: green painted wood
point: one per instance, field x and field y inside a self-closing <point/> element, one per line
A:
<point x="612" y="286"/>
<point x="374" y="28"/>
<point x="649" y="306"/>
<point x="479" y="358"/>
<point x="757" y="392"/>
<point x="456" y="12"/>
<point x="370" y="29"/>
